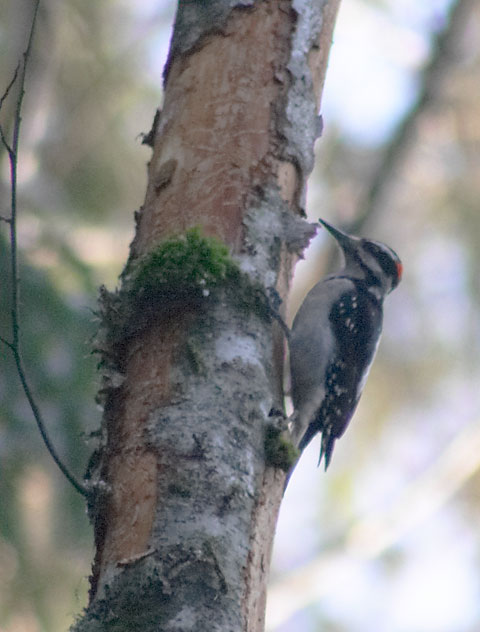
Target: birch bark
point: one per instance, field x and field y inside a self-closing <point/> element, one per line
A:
<point x="184" y="501"/>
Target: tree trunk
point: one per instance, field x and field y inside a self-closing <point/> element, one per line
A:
<point x="190" y="469"/>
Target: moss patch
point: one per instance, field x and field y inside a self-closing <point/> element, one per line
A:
<point x="184" y="271"/>
<point x="279" y="451"/>
<point x="186" y="264"/>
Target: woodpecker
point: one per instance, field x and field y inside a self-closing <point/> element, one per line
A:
<point x="335" y="336"/>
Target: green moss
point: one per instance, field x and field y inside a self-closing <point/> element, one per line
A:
<point x="279" y="451"/>
<point x="249" y="295"/>
<point x="190" y="264"/>
<point x="195" y="357"/>
<point x="189" y="267"/>
<point x="183" y="270"/>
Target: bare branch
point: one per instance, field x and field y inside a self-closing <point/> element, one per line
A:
<point x="3" y="138"/>
<point x="10" y="85"/>
<point x="443" y="55"/>
<point x="7" y="343"/>
<point x="41" y="424"/>
<point x="14" y="345"/>
<point x="5" y="94"/>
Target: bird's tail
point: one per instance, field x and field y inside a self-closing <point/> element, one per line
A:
<point x="310" y="432"/>
<point x="328" y="441"/>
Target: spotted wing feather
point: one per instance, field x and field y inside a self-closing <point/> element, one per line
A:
<point x="356" y="322"/>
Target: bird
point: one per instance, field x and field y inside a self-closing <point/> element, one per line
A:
<point x="335" y="336"/>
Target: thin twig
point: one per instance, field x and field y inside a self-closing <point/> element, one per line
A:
<point x="41" y="425"/>
<point x="10" y="85"/>
<point x="14" y="345"/>
<point x="7" y="343"/>
<point x="3" y="138"/>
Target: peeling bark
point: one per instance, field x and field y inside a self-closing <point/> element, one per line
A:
<point x="184" y="504"/>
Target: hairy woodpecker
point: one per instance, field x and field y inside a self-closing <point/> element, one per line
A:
<point x="335" y="335"/>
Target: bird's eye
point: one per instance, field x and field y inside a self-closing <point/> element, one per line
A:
<point x="387" y="259"/>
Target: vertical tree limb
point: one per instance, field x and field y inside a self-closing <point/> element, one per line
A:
<point x="186" y="500"/>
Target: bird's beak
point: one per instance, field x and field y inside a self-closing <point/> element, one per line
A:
<point x="345" y="241"/>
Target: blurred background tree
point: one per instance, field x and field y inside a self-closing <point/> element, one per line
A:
<point x="386" y="540"/>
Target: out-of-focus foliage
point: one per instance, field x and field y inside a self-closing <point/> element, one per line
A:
<point x="391" y="526"/>
<point x="394" y="522"/>
<point x="43" y="528"/>
<point x="91" y="90"/>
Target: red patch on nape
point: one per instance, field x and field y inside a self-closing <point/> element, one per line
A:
<point x="399" y="269"/>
